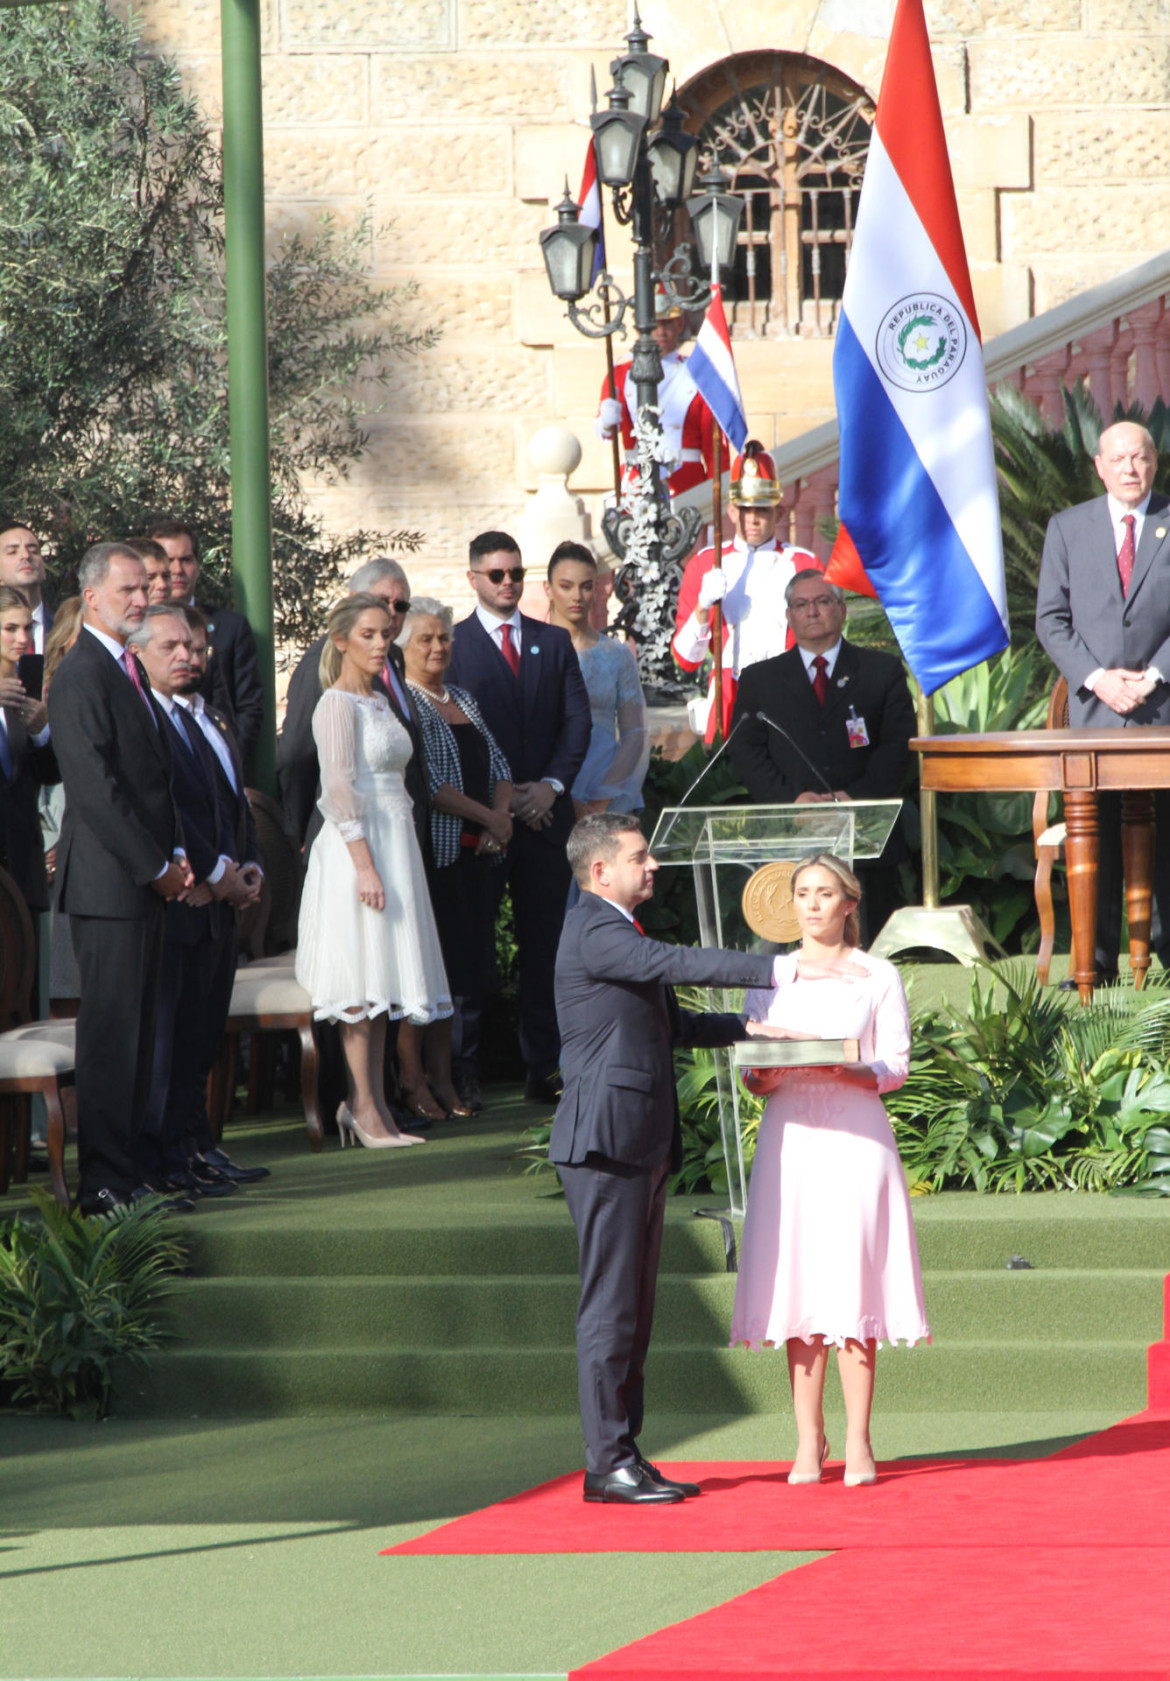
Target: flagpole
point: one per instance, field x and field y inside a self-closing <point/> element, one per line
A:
<point x="615" y="443"/>
<point x="928" y="811"/>
<point x="716" y="609"/>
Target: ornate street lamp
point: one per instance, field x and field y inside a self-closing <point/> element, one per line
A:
<point x="647" y="160"/>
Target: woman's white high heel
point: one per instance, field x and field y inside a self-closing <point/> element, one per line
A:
<point x="811" y="1476"/>
<point x="349" y="1130"/>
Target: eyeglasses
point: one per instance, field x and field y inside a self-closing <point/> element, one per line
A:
<point x="824" y="602"/>
<point x="399" y="606"/>
<point x="498" y="574"/>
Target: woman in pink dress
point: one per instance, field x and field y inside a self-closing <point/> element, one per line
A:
<point x="828" y="1255"/>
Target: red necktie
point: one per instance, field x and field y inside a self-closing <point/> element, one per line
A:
<point x="130" y="666"/>
<point x="1125" y="553"/>
<point x="638" y="926"/>
<point x="509" y="649"/>
<point x="821" y="680"/>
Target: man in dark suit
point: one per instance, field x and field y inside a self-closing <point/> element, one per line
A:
<point x="1103" y="614"/>
<point x="120" y="857"/>
<point x="193" y="925"/>
<point x="27" y="764"/>
<point x="616" y="1134"/>
<point x="233" y="672"/>
<point x="207" y="1160"/>
<point x="297" y="770"/>
<point x="22" y="567"/>
<point x="850" y="716"/>
<point x="525" y="678"/>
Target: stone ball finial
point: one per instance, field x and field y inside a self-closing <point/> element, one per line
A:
<point x="555" y="451"/>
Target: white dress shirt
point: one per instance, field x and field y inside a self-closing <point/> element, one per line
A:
<point x="1117" y="516"/>
<point x="38" y="627"/>
<point x="828" y="654"/>
<point x="170" y="705"/>
<point x="196" y="706"/>
<point x="495" y="626"/>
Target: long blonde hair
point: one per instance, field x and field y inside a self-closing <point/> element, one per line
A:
<point x="66" y="629"/>
<point x="850" y="886"/>
<point x="340" y="623"/>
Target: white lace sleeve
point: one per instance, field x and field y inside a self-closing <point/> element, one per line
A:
<point x="627" y="769"/>
<point x="335" y="727"/>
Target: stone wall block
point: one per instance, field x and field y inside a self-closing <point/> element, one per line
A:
<point x="990" y="151"/>
<point x="973" y="17"/>
<point x="1072" y="72"/>
<point x="194" y="25"/>
<point x="1003" y="292"/>
<point x="458" y="234"/>
<point x="311" y="166"/>
<point x="495" y="381"/>
<point x="1102" y="145"/>
<point x="412" y="457"/>
<point x="540" y="318"/>
<point x="979" y="220"/>
<point x="1135" y="17"/>
<point x="452" y="161"/>
<point x="303" y="91"/>
<point x="545" y="156"/>
<point x="1067" y="220"/>
<point x="479" y="87"/>
<point x="381" y="25"/>
<point x="553" y="23"/>
<point x="478" y="308"/>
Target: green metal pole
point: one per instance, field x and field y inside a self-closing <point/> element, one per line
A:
<point x="247" y="329"/>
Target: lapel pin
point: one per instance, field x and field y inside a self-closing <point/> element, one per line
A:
<point x="841" y="682"/>
<point x="1161" y="531"/>
<point x="534" y="649"/>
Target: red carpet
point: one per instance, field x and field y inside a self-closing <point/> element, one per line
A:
<point x="927" y="1614"/>
<point x="1113" y="1488"/>
<point x="946" y="1570"/>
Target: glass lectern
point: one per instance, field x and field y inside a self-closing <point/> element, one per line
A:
<point x="728" y="849"/>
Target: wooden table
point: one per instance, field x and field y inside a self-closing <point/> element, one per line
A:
<point x="1078" y="764"/>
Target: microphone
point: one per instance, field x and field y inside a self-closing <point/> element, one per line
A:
<point x="715" y="757"/>
<point x="796" y="748"/>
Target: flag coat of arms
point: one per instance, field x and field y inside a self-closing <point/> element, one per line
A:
<point x="917" y="490"/>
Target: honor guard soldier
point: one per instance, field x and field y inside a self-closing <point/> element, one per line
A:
<point x="686" y="419"/>
<point x="748" y="581"/>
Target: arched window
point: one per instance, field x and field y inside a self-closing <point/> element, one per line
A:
<point x="793" y="134"/>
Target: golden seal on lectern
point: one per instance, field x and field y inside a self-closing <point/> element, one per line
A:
<point x="767" y="902"/>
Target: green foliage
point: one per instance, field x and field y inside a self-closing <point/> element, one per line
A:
<point x="704" y="1166"/>
<point x="77" y="1295"/>
<point x="113" y="337"/>
<point x="1028" y="1090"/>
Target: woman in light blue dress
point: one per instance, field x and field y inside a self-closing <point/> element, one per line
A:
<point x="619" y="748"/>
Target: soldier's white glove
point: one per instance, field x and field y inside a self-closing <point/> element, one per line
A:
<point x="713" y="588"/>
<point x="609" y="418"/>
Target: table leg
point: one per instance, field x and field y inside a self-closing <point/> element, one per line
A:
<point x="1081" y="851"/>
<point x="1137" y="854"/>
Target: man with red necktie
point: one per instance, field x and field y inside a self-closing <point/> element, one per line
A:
<point x="1103" y="614"/>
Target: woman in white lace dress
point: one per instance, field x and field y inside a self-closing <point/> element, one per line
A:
<point x="367" y="950"/>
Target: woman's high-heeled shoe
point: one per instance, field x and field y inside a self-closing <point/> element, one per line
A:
<point x="797" y="1477"/>
<point x="349" y="1130"/>
<point x="421" y="1102"/>
<point x="860" y="1479"/>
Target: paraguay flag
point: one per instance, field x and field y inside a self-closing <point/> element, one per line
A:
<point x="712" y="367"/>
<point x="589" y="198"/>
<point x="917" y="490"/>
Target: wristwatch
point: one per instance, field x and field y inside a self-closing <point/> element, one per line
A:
<point x="558" y="788"/>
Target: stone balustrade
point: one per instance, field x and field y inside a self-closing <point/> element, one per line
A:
<point x="1114" y="337"/>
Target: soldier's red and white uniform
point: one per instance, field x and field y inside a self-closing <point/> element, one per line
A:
<point x="686" y="423"/>
<point x="755" y="623"/>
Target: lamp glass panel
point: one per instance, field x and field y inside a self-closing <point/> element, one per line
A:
<point x="666" y="166"/>
<point x="644" y="75"/>
<point x="617" y="148"/>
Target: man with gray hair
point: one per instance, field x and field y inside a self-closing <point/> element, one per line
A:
<point x="120" y="858"/>
<point x="826" y="721"/>
<point x="297" y="770"/>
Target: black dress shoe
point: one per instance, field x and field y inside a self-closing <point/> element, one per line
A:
<point x="232" y="1170"/>
<point x="629" y="1486"/>
<point x="688" y="1490"/>
<point x="471" y="1094"/>
<point x="204" y="1174"/>
<point x="168" y="1204"/>
<point x="185" y="1184"/>
<point x="102" y="1202"/>
<point x="542" y="1088"/>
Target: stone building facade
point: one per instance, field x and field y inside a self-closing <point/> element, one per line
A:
<point x="455" y="122"/>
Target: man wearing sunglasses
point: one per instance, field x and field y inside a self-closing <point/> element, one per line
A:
<point x="524" y="676"/>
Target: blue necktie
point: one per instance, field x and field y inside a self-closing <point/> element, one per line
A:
<point x="5" y="750"/>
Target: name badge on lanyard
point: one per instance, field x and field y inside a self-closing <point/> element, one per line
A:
<point x="857" y="732"/>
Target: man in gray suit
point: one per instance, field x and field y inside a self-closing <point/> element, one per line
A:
<point x="1103" y="614"/>
<point x="616" y="1134"/>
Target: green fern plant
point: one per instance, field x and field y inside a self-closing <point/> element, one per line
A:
<point x="79" y="1294"/>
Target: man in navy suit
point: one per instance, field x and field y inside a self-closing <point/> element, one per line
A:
<point x="22" y="567"/>
<point x="616" y="1134"/>
<point x="525" y="678"/>
<point x="233" y="679"/>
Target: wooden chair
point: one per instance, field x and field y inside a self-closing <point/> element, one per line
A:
<point x="35" y="1056"/>
<point x="1048" y="840"/>
<point x="267" y="998"/>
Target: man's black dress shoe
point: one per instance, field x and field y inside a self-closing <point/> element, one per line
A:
<point x="629" y="1486"/>
<point x="185" y="1184"/>
<point x="232" y="1170"/>
<point x="168" y="1204"/>
<point x="542" y="1089"/>
<point x="689" y="1490"/>
<point x="102" y="1202"/>
<point x="471" y="1094"/>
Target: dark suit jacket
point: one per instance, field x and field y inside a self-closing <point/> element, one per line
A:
<point x="22" y="841"/>
<point x="121" y="822"/>
<point x="1085" y="622"/>
<point x="245" y="847"/>
<point x="541" y="717"/>
<point x="232" y="679"/>
<point x="620" y="1022"/>
<point x="207" y="833"/>
<point x="299" y="775"/>
<point x="31" y="669"/>
<point x="864" y="679"/>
